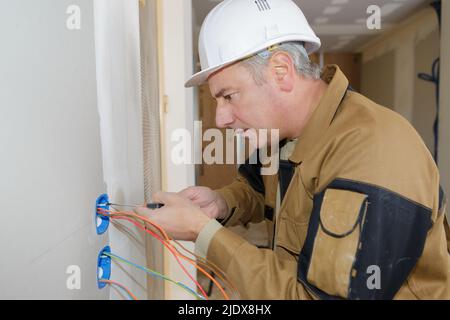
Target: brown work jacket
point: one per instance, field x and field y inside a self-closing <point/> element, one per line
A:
<point x="362" y="214"/>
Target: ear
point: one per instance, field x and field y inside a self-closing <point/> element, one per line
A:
<point x="282" y="70"/>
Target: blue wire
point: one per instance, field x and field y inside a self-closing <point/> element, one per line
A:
<point x="154" y="274"/>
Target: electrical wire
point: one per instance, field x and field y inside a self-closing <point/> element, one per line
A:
<point x="167" y="245"/>
<point x="153" y="273"/>
<point x="214" y="269"/>
<point x="111" y="282"/>
<point x="127" y="215"/>
<point x="200" y="260"/>
<point x="210" y="265"/>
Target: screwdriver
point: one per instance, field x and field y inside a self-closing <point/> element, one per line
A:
<point x="152" y="205"/>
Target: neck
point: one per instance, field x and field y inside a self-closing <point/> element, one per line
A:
<point x="305" y="101"/>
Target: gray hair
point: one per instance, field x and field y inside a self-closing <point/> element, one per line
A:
<point x="256" y="63"/>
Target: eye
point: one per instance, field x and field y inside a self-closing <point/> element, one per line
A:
<point x="229" y="97"/>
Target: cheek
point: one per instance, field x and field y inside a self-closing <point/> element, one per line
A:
<point x="250" y="113"/>
<point x="265" y="111"/>
<point x="257" y="107"/>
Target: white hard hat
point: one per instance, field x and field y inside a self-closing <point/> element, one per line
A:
<point x="236" y="29"/>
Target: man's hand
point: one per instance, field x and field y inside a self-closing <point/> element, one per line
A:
<point x="211" y="202"/>
<point x="180" y="218"/>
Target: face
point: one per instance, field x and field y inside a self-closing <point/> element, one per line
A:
<point x="244" y="105"/>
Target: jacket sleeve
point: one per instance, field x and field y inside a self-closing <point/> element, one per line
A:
<point x="245" y="203"/>
<point x="260" y="274"/>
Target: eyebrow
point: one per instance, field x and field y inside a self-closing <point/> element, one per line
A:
<point x="221" y="93"/>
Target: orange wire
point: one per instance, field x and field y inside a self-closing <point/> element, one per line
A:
<point x="167" y="245"/>
<point x="211" y="266"/>
<point x="177" y="253"/>
<point x="191" y="261"/>
<point x="202" y="261"/>
<point x="168" y="238"/>
<point x="120" y="285"/>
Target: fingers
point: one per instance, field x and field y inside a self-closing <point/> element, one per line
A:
<point x="142" y="211"/>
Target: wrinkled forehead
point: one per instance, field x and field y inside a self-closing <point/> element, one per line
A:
<point x="231" y="76"/>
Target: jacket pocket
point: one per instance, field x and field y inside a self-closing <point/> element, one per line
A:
<point x="336" y="242"/>
<point x="363" y="241"/>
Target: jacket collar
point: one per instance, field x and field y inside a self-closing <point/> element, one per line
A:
<point x="324" y="112"/>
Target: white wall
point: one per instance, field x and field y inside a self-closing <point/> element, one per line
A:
<point x="70" y="130"/>
<point x="63" y="142"/>
<point x="50" y="164"/>
<point x="119" y="83"/>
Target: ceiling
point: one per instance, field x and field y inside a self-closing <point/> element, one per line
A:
<point x="340" y="24"/>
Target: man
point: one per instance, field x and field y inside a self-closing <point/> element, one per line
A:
<point x="355" y="211"/>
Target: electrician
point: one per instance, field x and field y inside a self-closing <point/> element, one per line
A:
<point x="355" y="211"/>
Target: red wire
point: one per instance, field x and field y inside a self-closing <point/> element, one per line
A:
<point x="167" y="238"/>
<point x="169" y="248"/>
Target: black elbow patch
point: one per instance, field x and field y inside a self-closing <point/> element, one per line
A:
<point x="363" y="242"/>
<point x="252" y="173"/>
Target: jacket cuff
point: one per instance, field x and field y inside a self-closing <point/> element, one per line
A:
<point x="205" y="236"/>
<point x="223" y="246"/>
<point x="233" y="208"/>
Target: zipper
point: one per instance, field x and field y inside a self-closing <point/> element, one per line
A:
<point x="276" y="213"/>
<point x="274" y="231"/>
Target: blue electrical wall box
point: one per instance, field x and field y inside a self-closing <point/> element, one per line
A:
<point x="101" y="221"/>
<point x="103" y="267"/>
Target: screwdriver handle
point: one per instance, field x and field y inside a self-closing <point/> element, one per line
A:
<point x="155" y="205"/>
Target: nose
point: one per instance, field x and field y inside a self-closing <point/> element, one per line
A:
<point x="224" y="115"/>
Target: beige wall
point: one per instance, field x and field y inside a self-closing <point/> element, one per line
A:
<point x="176" y="65"/>
<point x="444" y="158"/>
<point x="378" y="79"/>
<point x="424" y="109"/>
<point x="391" y="64"/>
<point x="349" y="63"/>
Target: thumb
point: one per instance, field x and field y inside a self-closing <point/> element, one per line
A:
<point x="188" y="193"/>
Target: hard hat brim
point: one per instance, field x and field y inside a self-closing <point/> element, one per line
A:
<point x="202" y="77"/>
